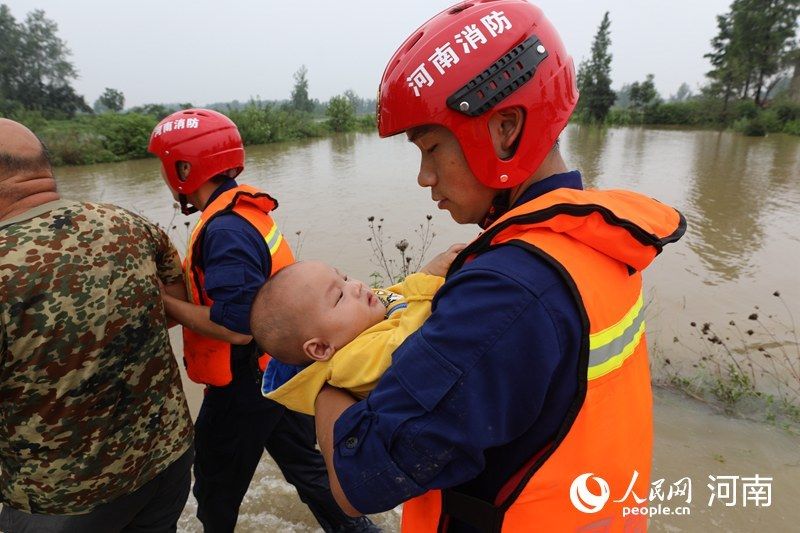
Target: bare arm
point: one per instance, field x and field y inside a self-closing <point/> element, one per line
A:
<point x="330" y="404"/>
<point x="169" y="274"/>
<point x="198" y="319"/>
<point x="177" y="290"/>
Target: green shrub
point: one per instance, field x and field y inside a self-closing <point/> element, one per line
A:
<point x="752" y="127"/>
<point x="619" y="117"/>
<point x="125" y="135"/>
<point x="770" y="120"/>
<point x="33" y="120"/>
<point x="155" y="110"/>
<point x="676" y="113"/>
<point x="366" y="122"/>
<point x="261" y="123"/>
<point x="745" y="109"/>
<point x="253" y="122"/>
<point x="694" y="112"/>
<point x="291" y="125"/>
<point x="792" y="127"/>
<point x="72" y="146"/>
<point x="91" y="139"/>
<point x="341" y="115"/>
<point x="787" y="111"/>
<point x="9" y="108"/>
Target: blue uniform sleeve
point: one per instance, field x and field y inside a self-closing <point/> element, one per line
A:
<point x="236" y="264"/>
<point x="474" y="377"/>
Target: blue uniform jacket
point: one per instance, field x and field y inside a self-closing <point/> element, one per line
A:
<point x="475" y="392"/>
<point x="236" y="263"/>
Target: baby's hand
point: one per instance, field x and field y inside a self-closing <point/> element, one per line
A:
<point x="439" y="265"/>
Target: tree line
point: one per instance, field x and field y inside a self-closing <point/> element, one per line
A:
<point x="753" y="84"/>
<point x="749" y="87"/>
<point x="36" y="74"/>
<point x="36" y="77"/>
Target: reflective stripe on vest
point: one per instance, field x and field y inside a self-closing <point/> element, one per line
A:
<point x="609" y="348"/>
<point x="598" y="241"/>
<point x="208" y="361"/>
<point x="273" y="239"/>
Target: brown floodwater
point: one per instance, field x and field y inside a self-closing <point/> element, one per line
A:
<point x="741" y="198"/>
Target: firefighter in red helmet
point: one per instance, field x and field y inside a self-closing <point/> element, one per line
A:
<point x="233" y="249"/>
<point x="532" y="370"/>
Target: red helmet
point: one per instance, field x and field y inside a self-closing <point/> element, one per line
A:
<point x="207" y="140"/>
<point x="474" y="57"/>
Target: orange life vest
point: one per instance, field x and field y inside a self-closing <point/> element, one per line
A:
<point x="208" y="361"/>
<point x="599" y="241"/>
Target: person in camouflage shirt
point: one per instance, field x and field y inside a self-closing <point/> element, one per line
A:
<point x="93" y="418"/>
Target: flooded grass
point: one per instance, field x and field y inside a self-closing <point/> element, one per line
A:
<point x="750" y="371"/>
<point x="749" y="368"/>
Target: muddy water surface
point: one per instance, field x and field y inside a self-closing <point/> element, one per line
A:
<point x="741" y="198"/>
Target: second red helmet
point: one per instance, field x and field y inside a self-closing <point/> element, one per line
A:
<point x="473" y="58"/>
<point x="207" y="140"/>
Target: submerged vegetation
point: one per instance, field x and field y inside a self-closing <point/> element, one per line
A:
<point x="744" y="116"/>
<point x="750" y="368"/>
<point x="109" y="137"/>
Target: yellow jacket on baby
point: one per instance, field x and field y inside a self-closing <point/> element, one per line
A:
<point x="359" y="365"/>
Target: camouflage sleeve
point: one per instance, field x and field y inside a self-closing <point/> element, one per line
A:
<point x="168" y="261"/>
<point x="3" y="347"/>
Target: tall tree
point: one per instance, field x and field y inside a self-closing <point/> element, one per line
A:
<point x="341" y="113"/>
<point x="111" y="100"/>
<point x="62" y="100"/>
<point x="644" y="94"/>
<point x="34" y="64"/>
<point x="10" y="44"/>
<point x="623" y="99"/>
<point x="594" y="77"/>
<point x="794" y="85"/>
<point x="772" y="25"/>
<point x="356" y="101"/>
<point x="644" y="97"/>
<point x="752" y="48"/>
<point x="684" y="93"/>
<point x="727" y="71"/>
<point x="300" y="99"/>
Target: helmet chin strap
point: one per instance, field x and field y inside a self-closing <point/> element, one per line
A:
<point x="500" y="204"/>
<point x="186" y="209"/>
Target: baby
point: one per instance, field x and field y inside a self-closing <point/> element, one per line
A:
<point x="309" y="311"/>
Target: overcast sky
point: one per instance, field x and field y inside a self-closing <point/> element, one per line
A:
<point x="204" y="51"/>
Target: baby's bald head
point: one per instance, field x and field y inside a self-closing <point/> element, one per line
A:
<point x="276" y="317"/>
<point x="309" y="310"/>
